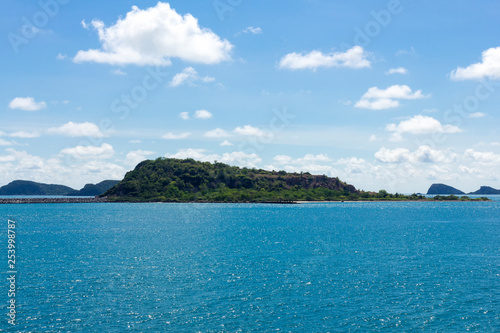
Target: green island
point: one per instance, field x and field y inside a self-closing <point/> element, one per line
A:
<point x="187" y="180"/>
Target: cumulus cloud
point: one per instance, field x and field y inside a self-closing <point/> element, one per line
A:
<point x="203" y="114"/>
<point x="61" y="56"/>
<point x="423" y="154"/>
<point x="399" y="70"/>
<point x="78" y="129"/>
<point x="316" y="164"/>
<point x="90" y="152"/>
<point x="172" y="136"/>
<point x="489" y="67"/>
<point x="235" y="158"/>
<point x="24" y="135"/>
<point x="135" y="157"/>
<point x="355" y="57"/>
<point x="420" y="125"/>
<point x="249" y="130"/>
<point x="189" y="76"/>
<point x="226" y="143"/>
<point x="217" y="133"/>
<point x="380" y="99"/>
<point x="153" y="36"/>
<point x="22" y="165"/>
<point x="26" y="104"/>
<point x="482" y="157"/>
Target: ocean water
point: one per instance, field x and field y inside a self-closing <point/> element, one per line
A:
<point x="326" y="267"/>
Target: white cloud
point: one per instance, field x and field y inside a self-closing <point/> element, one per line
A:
<point x="26" y="104"/>
<point x="24" y="135"/>
<point x="241" y="159"/>
<point x="197" y="154"/>
<point x="172" y="136"/>
<point x="235" y="158"/>
<point x="217" y="133"/>
<point x="249" y="130"/>
<point x="355" y="57"/>
<point x="84" y="24"/>
<point x="78" y="129"/>
<point x="252" y="30"/>
<point x="135" y="157"/>
<point x="21" y="165"/>
<point x="282" y="159"/>
<point x="189" y="75"/>
<point x="118" y="71"/>
<point x="477" y="115"/>
<point x="420" y="125"/>
<point x="313" y="158"/>
<point x="489" y="67"/>
<point x="90" y="152"/>
<point x="184" y="115"/>
<point x="153" y="36"/>
<point x="397" y="155"/>
<point x="61" y="56"/>
<point x="423" y="154"/>
<point x="372" y="138"/>
<point x="5" y="143"/>
<point x="203" y="114"/>
<point x="379" y="99"/>
<point x="482" y="157"/>
<point x="399" y="70"/>
<point x="316" y="164"/>
<point x="238" y="158"/>
<point x="135" y="141"/>
<point x="226" y="143"/>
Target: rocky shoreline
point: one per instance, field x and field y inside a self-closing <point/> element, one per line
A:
<point x="51" y="200"/>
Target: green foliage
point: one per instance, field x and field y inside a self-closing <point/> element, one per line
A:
<point x="175" y="180"/>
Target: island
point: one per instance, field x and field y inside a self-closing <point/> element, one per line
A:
<point x="440" y="189"/>
<point x="486" y="190"/>
<point x="26" y="187"/>
<point x="187" y="180"/>
<point x="443" y="189"/>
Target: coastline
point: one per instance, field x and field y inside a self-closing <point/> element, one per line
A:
<point x="71" y="200"/>
<point x="51" y="200"/>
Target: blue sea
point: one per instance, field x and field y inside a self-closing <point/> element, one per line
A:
<point x="318" y="267"/>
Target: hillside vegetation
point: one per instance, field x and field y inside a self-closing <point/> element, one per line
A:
<point x="174" y="180"/>
<point x="25" y="187"/>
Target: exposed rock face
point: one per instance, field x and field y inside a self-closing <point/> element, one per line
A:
<point x="443" y="189"/>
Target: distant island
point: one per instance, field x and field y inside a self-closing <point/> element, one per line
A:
<point x="187" y="180"/>
<point x="436" y="189"/>
<point x="443" y="189"/>
<point x="486" y="190"/>
<point x="25" y="187"/>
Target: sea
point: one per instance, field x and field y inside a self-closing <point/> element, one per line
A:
<point x="315" y="267"/>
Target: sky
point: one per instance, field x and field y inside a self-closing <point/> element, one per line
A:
<point x="393" y="95"/>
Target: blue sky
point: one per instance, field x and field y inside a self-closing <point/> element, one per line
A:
<point x="392" y="94"/>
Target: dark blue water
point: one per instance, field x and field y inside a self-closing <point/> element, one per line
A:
<point x="333" y="267"/>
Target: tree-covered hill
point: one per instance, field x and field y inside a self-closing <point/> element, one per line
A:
<point x="95" y="189"/>
<point x="174" y="180"/>
<point x="25" y="187"/>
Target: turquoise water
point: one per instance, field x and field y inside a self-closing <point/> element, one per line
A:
<point x="333" y="267"/>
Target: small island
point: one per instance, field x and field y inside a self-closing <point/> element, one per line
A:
<point x="187" y="180"/>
